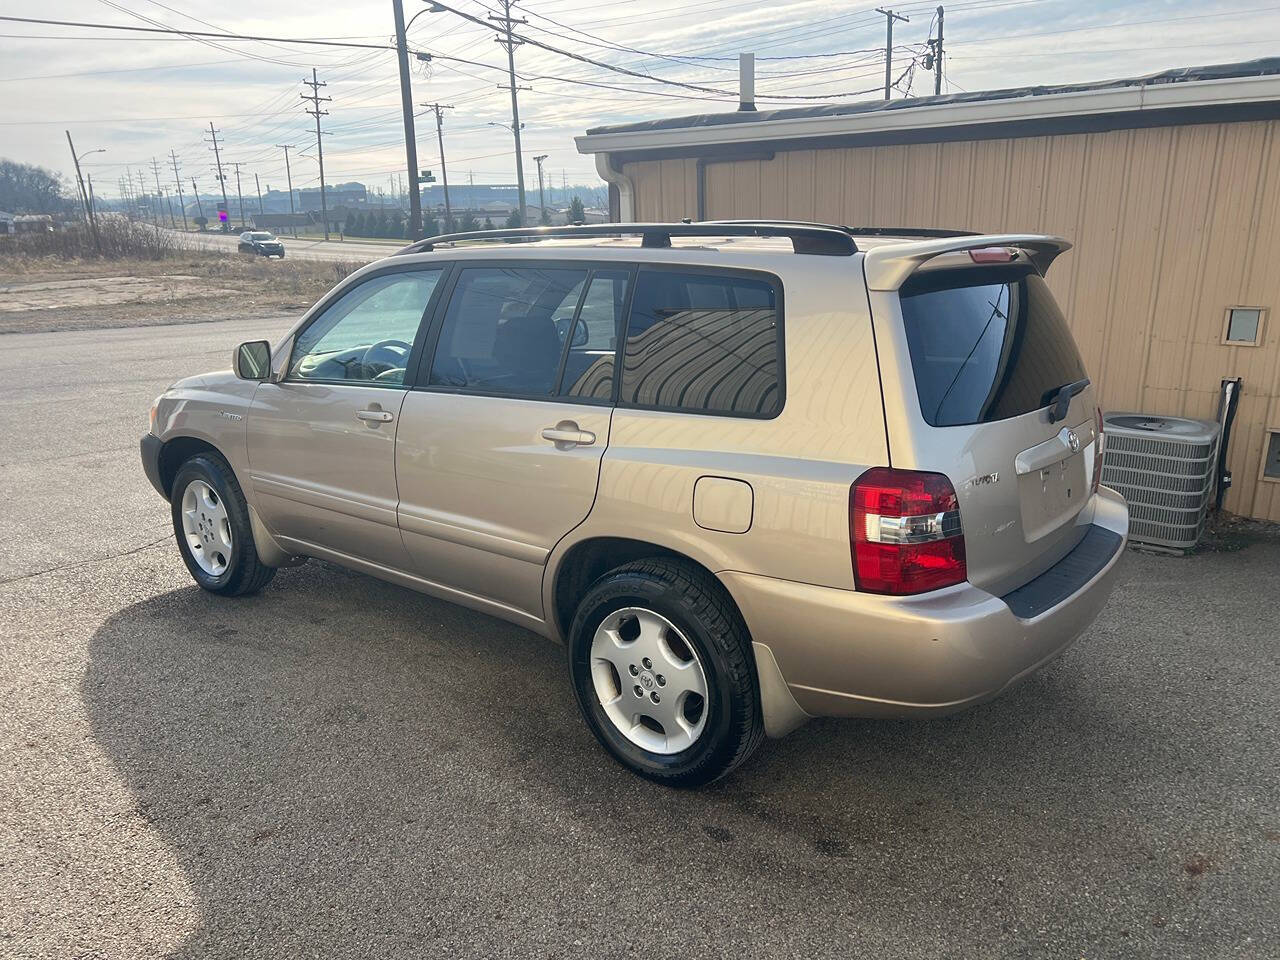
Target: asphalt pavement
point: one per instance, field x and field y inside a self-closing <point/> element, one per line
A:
<point x="340" y="767"/>
<point x="302" y="248"/>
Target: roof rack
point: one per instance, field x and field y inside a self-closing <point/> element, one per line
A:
<point x="808" y="238"/>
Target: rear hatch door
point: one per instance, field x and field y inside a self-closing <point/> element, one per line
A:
<point x="979" y="355"/>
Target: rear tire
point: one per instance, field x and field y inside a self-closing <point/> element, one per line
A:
<point x="211" y="525"/>
<point x="661" y="666"/>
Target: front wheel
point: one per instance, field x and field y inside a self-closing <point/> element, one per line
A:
<point x="662" y="669"/>
<point x="211" y="524"/>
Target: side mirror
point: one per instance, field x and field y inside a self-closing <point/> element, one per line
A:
<point x="580" y="336"/>
<point x="252" y="360"/>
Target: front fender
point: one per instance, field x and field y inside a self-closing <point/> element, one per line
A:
<point x="213" y="407"/>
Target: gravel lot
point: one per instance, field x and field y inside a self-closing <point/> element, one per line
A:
<point x="339" y="767"/>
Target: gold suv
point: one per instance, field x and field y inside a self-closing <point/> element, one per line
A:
<point x="748" y="473"/>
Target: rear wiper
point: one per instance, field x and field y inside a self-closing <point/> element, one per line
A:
<point x="1060" y="399"/>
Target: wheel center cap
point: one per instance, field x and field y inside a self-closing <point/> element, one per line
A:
<point x="647" y="681"/>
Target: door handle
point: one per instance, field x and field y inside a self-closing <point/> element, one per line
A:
<point x="376" y="416"/>
<point x="566" y="434"/>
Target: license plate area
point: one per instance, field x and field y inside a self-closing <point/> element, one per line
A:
<point x="1052" y="495"/>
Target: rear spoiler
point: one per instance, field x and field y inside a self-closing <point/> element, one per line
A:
<point x="887" y="267"/>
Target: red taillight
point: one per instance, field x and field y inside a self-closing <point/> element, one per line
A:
<point x="1099" y="446"/>
<point x="904" y="531"/>
<point x="991" y="255"/>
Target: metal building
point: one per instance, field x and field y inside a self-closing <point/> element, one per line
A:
<point x="1169" y="186"/>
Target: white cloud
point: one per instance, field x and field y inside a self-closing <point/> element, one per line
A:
<point x="140" y="98"/>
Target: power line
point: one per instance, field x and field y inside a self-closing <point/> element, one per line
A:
<point x="195" y="34"/>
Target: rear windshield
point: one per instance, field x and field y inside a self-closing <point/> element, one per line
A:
<point x="986" y="344"/>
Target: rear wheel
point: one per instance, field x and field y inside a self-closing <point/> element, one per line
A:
<point x="662" y="669"/>
<point x="211" y="524"/>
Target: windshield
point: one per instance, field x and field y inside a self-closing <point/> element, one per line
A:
<point x="261" y="236"/>
<point x="986" y="344"/>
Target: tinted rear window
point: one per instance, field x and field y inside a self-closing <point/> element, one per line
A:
<point x="986" y="344"/>
<point x="703" y="342"/>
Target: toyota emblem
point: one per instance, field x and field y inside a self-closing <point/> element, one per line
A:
<point x="1073" y="441"/>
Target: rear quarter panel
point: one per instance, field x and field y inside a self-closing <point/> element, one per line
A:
<point x="800" y="464"/>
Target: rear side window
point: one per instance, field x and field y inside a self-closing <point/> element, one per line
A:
<point x="986" y="344"/>
<point x="703" y="342"/>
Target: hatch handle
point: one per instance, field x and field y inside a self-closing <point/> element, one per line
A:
<point x="1060" y="402"/>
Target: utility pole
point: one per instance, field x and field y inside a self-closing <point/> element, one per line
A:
<point x="199" y="204"/>
<point x="93" y="212"/>
<point x="258" y="184"/>
<point x="155" y="170"/>
<point x="937" y="57"/>
<point x="239" y="195"/>
<point x="126" y="192"/>
<point x="410" y="138"/>
<point x="511" y="42"/>
<point x="142" y="192"/>
<point x="289" y="174"/>
<point x="217" y="157"/>
<point x="315" y="111"/>
<point x="177" y="179"/>
<point x="89" y="216"/>
<point x="890" y="16"/>
<point x="542" y="203"/>
<point x="444" y="174"/>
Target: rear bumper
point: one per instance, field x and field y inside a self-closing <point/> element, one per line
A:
<point x="844" y="653"/>
<point x="151" y="446"/>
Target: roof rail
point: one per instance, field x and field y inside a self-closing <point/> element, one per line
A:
<point x="929" y="233"/>
<point x="818" y="239"/>
<point x="925" y="232"/>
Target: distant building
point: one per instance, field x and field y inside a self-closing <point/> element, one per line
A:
<point x="280" y="221"/>
<point x="337" y="195"/>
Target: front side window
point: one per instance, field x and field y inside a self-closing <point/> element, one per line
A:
<point x="505" y="329"/>
<point x="703" y="342"/>
<point x="367" y="335"/>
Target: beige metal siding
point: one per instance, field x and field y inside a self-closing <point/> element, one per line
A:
<point x="1172" y="225"/>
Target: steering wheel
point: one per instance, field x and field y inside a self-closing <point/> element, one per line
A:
<point x="385" y="356"/>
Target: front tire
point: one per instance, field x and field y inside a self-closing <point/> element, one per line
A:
<point x="211" y="524"/>
<point x="662" y="669"/>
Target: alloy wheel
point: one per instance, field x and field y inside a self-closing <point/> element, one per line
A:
<point x="207" y="528"/>
<point x="649" y="680"/>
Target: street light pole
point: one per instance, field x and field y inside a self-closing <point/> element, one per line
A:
<point x="542" y="203"/>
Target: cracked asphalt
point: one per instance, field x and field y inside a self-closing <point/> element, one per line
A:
<point x="339" y="767"/>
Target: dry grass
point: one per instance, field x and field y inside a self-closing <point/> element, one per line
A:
<point x="50" y="293"/>
<point x="116" y="239"/>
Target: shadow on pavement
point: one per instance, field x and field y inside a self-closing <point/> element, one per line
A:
<point x="345" y="767"/>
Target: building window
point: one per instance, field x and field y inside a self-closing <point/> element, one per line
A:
<point x="1271" y="463"/>
<point x="1244" y="326"/>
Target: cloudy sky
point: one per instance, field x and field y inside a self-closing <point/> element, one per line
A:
<point x="141" y="95"/>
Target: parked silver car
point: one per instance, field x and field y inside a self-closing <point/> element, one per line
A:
<point x="748" y="473"/>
